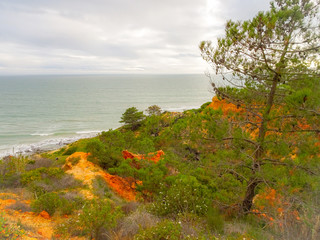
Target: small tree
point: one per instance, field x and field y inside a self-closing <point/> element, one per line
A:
<point x="154" y="110"/>
<point x="132" y="118"/>
<point x="272" y="62"/>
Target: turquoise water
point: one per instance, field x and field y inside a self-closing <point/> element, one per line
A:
<point x="44" y="112"/>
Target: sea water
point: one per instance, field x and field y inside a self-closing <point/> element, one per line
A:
<point x="45" y="112"/>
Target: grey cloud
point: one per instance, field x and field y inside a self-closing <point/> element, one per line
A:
<point x="110" y="36"/>
<point x="244" y="9"/>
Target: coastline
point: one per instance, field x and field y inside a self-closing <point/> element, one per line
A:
<point x="51" y="143"/>
<point x="48" y="112"/>
<point x="48" y="144"/>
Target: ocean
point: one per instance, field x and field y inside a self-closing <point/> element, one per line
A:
<point x="47" y="112"/>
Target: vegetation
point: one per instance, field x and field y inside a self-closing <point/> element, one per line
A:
<point x="132" y="118"/>
<point x="9" y="231"/>
<point x="163" y="230"/>
<point x="244" y="166"/>
<point x="48" y="202"/>
<point x="154" y="110"/>
<point x="269" y="60"/>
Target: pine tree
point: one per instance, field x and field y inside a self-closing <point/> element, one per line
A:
<point x="270" y="68"/>
<point x="132" y="118"/>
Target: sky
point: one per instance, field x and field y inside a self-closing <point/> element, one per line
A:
<point x="113" y="36"/>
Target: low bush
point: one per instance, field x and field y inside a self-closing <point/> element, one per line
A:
<point x="40" y="184"/>
<point x="96" y="218"/>
<point x="64" y="203"/>
<point x="70" y="150"/>
<point x="183" y="194"/>
<point x="105" y="155"/>
<point x="41" y="173"/>
<point x="166" y="229"/>
<point x="98" y="215"/>
<point x="48" y="202"/>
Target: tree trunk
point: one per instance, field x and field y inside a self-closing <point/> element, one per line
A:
<point x="253" y="182"/>
<point x="250" y="193"/>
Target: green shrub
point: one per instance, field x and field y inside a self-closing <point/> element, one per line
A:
<point x="186" y="194"/>
<point x="152" y="126"/>
<point x="106" y="150"/>
<point x="145" y="146"/>
<point x="106" y="156"/>
<point x="48" y="202"/>
<point x="151" y="174"/>
<point x="94" y="218"/>
<point x="166" y="229"/>
<point x="44" y="180"/>
<point x="98" y="215"/>
<point x="29" y="177"/>
<point x="40" y="173"/>
<point x="68" y="207"/>
<point x="70" y="150"/>
<point x="65" y="203"/>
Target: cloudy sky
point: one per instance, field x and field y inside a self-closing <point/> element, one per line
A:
<point x="112" y="36"/>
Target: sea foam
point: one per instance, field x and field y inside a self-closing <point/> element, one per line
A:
<point x="45" y="145"/>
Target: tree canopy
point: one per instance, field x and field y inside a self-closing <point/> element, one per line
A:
<point x="270" y="68"/>
<point x="132" y="118"/>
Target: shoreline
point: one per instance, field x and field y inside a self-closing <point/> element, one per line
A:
<point x="49" y="144"/>
<point x="55" y="143"/>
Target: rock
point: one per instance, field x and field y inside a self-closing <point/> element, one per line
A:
<point x="45" y="215"/>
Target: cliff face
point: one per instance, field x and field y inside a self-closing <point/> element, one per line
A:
<point x="153" y="157"/>
<point x="86" y="172"/>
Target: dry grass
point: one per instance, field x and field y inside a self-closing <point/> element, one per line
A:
<point x="236" y="227"/>
<point x="130" y="225"/>
<point x="67" y="181"/>
<point x="191" y="225"/>
<point x="130" y="207"/>
<point x="11" y="181"/>
<point x="38" y="163"/>
<point x="19" y="206"/>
